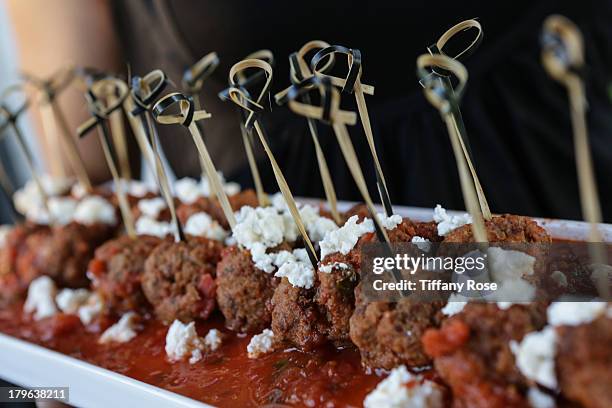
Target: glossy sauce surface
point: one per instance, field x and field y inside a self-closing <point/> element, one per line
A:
<point x="224" y="378"/>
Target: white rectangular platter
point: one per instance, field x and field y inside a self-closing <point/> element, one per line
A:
<point x="30" y="365"/>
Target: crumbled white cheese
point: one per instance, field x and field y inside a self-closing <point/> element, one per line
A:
<point x="455" y="304"/>
<point x="182" y="340"/>
<point x="69" y="300"/>
<point x="261" y="225"/>
<point x="148" y="226"/>
<point x="535" y="356"/>
<point x="203" y="225"/>
<point x="389" y="223"/>
<point x="78" y="191"/>
<point x="261" y="344"/>
<point x="28" y="197"/>
<point x="422" y="243"/>
<point x="91" y="309"/>
<point x="538" y="399"/>
<point x="328" y="268"/>
<point x="40" y="300"/>
<point x="122" y="331"/>
<point x="297" y="269"/>
<point x="62" y="211"/>
<point x="4" y="231"/>
<point x="94" y="210"/>
<point x="601" y="273"/>
<point x="152" y="207"/>
<point x="509" y="264"/>
<point x="559" y="277"/>
<point x="345" y="238"/>
<point x="401" y="389"/>
<point x="511" y="291"/>
<point x="574" y="313"/>
<point x="447" y="223"/>
<point x="316" y="225"/>
<point x="213" y="339"/>
<point x="187" y="190"/>
<point x="137" y="188"/>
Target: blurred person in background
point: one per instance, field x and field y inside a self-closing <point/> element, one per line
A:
<point x="517" y="117"/>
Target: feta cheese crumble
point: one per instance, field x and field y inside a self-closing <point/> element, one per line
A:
<point x="182" y="341"/>
<point x="152" y="207"/>
<point x="535" y="356"/>
<point x="213" y="339"/>
<point x="297" y="268"/>
<point x="28" y="197"/>
<point x="94" y="210"/>
<point x="122" y="331"/>
<point x="62" y="210"/>
<point x="389" y="223"/>
<point x="187" y="190"/>
<point x="456" y="303"/>
<point x="40" y="300"/>
<point x="148" y="226"/>
<point x="69" y="300"/>
<point x="447" y="223"/>
<point x="261" y="225"/>
<point x="538" y="399"/>
<point x="574" y="313"/>
<point x="91" y="309"/>
<point x="422" y="243"/>
<point x="345" y="238"/>
<point x="401" y="389"/>
<point x="261" y="344"/>
<point x="328" y="268"/>
<point x="202" y="225"/>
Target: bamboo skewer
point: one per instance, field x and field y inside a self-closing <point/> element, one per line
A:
<point x="352" y="84"/>
<point x="144" y="92"/>
<point x="188" y="116"/>
<point x="563" y="59"/>
<point x="447" y="103"/>
<point x="299" y="72"/>
<point x="244" y="82"/>
<point x="193" y="81"/>
<point x="100" y="114"/>
<point x="10" y="121"/>
<point x="240" y="97"/>
<point x="52" y="111"/>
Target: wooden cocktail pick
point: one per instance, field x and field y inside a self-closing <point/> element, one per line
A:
<point x="447" y="102"/>
<point x="253" y="108"/>
<point x="10" y="121"/>
<point x="247" y="82"/>
<point x="52" y="113"/>
<point x="101" y="108"/>
<point x="352" y="84"/>
<point x="445" y="78"/>
<point x="299" y="71"/>
<point x="193" y="81"/>
<point x="563" y="59"/>
<point x="188" y="116"/>
<point x="144" y="92"/>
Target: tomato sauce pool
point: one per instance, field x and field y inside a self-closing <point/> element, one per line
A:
<point x="225" y="378"/>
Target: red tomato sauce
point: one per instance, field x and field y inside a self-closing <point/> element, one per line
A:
<point x="226" y="378"/>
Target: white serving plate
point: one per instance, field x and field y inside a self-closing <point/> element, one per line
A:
<point x="30" y="365"/>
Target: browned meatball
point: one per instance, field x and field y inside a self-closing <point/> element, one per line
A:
<point x="389" y="333"/>
<point x="472" y="354"/>
<point x="243" y="291"/>
<point x="584" y="363"/>
<point x="63" y="254"/>
<point x="212" y="207"/>
<point x="296" y="318"/>
<point x="504" y="228"/>
<point x="117" y="269"/>
<point x="360" y="210"/>
<point x="179" y="279"/>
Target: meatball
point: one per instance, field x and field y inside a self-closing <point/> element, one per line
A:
<point x="179" y="279"/>
<point x="296" y="318"/>
<point x="117" y="269"/>
<point x="243" y="291"/>
<point x="63" y="253"/>
<point x="471" y="353"/>
<point x="212" y="207"/>
<point x="504" y="228"/>
<point x="584" y="363"/>
<point x="389" y="333"/>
